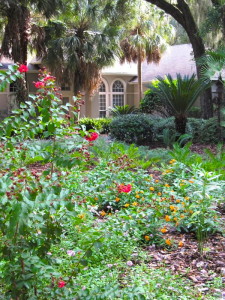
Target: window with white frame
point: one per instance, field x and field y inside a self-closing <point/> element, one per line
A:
<point x="117" y="93"/>
<point x="102" y="100"/>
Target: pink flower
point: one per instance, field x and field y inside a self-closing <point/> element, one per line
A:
<point x="122" y="188"/>
<point x="39" y="84"/>
<point x="71" y="253"/>
<point x="92" y="137"/>
<point x="129" y="263"/>
<point x="61" y="283"/>
<point x="23" y="68"/>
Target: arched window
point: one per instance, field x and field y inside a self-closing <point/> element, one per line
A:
<point x="102" y="100"/>
<point x="118" y="93"/>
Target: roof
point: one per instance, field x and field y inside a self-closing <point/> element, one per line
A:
<point x="129" y="69"/>
<point x="176" y="59"/>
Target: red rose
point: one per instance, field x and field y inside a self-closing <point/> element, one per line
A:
<point x="61" y="284"/>
<point x="39" y="84"/>
<point x="92" y="137"/>
<point x="23" y="68"/>
<point x="122" y="188"/>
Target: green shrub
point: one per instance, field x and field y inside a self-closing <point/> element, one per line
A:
<point x="203" y="131"/>
<point x="132" y="129"/>
<point x="195" y="112"/>
<point x="101" y="124"/>
<point x="122" y="110"/>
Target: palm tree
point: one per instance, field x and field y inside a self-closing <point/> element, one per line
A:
<point x="15" y="39"/>
<point x="179" y="96"/>
<point x="146" y="41"/>
<point x="212" y="64"/>
<point x="86" y="45"/>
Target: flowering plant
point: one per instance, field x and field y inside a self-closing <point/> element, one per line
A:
<point x="122" y="188"/>
<point x="92" y="136"/>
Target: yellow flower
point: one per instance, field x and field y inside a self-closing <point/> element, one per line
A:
<point x="147" y="237"/>
<point x="191" y="181"/>
<point x="167" y="218"/>
<point x="81" y="216"/>
<point x="134" y="203"/>
<point x="182" y="216"/>
<point x="180" y="244"/>
<point x="102" y="213"/>
<point x="142" y="192"/>
<point x="127" y="205"/>
<point x="137" y="196"/>
<point x="181" y="184"/>
<point x="151" y="188"/>
<point x="186" y="198"/>
<point x="156" y="180"/>
<point x="167" y="185"/>
<point x="172" y="208"/>
<point x="109" y="214"/>
<point x="178" y="201"/>
<point x="159" y="194"/>
<point x="175" y="219"/>
<point x="117" y="199"/>
<point x="163" y="230"/>
<point x="168" y="242"/>
<point x="96" y="198"/>
<point x="143" y="198"/>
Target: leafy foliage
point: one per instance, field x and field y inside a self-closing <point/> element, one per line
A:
<point x="132" y="129"/>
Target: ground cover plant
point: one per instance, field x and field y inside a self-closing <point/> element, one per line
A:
<point x="84" y="217"/>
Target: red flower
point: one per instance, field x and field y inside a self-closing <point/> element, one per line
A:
<point x="39" y="84"/>
<point x="122" y="188"/>
<point x="23" y="68"/>
<point x="49" y="78"/>
<point x="61" y="283"/>
<point x="92" y="137"/>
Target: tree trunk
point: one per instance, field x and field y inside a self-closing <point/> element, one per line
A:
<point x="139" y="72"/>
<point x="180" y="124"/>
<point x="182" y="14"/>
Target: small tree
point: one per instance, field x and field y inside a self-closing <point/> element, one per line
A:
<point x="179" y="96"/>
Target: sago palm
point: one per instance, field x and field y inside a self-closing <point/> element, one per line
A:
<point x="179" y="96"/>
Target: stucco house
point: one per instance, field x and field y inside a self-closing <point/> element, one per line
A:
<point x="119" y="82"/>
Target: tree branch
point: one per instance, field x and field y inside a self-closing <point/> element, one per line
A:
<point x="170" y="9"/>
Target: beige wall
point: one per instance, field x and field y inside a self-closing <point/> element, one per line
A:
<point x="92" y="105"/>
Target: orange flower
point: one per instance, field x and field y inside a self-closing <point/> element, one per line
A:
<point x="147" y="237"/>
<point x="167" y="218"/>
<point x="96" y="198"/>
<point x="102" y="213"/>
<point x="156" y="180"/>
<point x="178" y="201"/>
<point x="117" y="199"/>
<point x="167" y="185"/>
<point x="180" y="244"/>
<point x="168" y="242"/>
<point x="137" y="196"/>
<point x="163" y="230"/>
<point x="159" y="194"/>
<point x="191" y="181"/>
<point x="151" y="188"/>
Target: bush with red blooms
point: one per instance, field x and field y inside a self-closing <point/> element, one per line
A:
<point x="61" y="284"/>
<point x="122" y="188"/>
<point x="23" y="68"/>
<point x="92" y="136"/>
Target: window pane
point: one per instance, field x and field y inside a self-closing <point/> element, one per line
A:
<point x="102" y="114"/>
<point x="102" y="102"/>
<point x="65" y="87"/>
<point x="118" y="100"/>
<point x="118" y="86"/>
<point x="102" y="87"/>
<point x="12" y="87"/>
